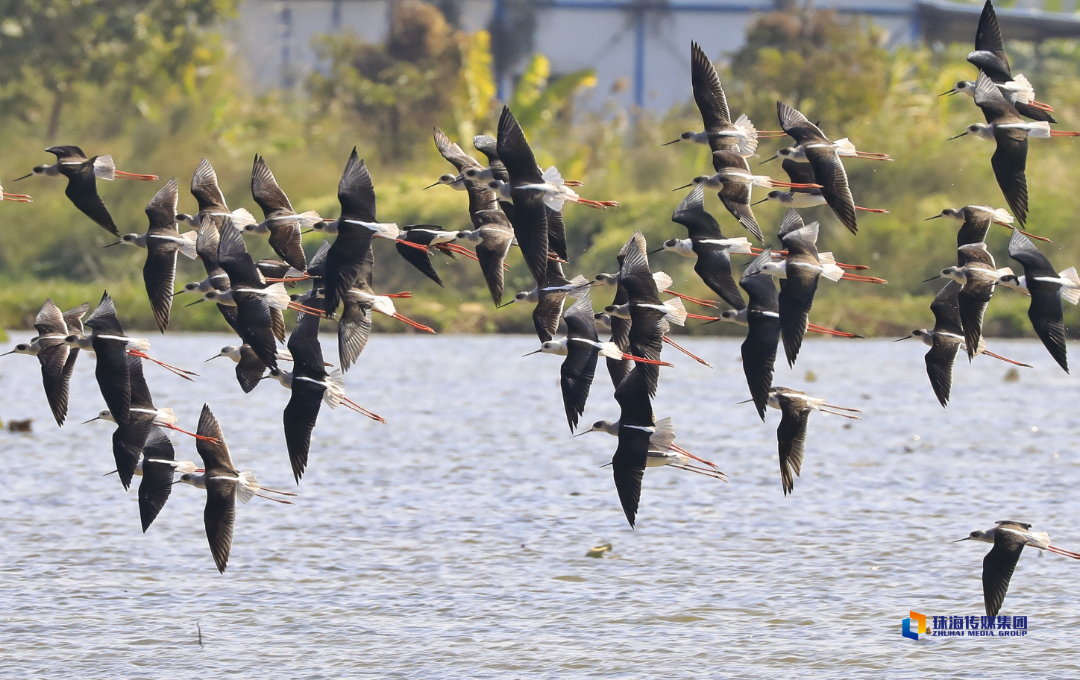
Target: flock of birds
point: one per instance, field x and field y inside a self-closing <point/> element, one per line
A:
<point x="513" y="202"/>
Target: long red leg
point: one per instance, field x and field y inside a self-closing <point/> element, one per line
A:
<point x="686" y="352"/>
<point x="276" y="500"/>
<point x="1001" y="358"/>
<point x="831" y="331"/>
<point x="879" y="211"/>
<point x="864" y="279"/>
<point x="405" y="294"/>
<point x="192" y="434"/>
<point x="696" y="301"/>
<point x="1030" y="235"/>
<point x="415" y="324"/>
<point x="131" y="175"/>
<point x="289" y="279"/>
<point x="178" y="371"/>
<point x="360" y="409"/>
<point x="283" y="493"/>
<point x="640" y="360"/>
<point x="794" y="185"/>
<point x="702" y="317"/>
<point x="412" y="245"/>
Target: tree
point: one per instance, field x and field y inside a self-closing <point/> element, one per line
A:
<point x="49" y="47"/>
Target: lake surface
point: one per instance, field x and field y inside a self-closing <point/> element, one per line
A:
<point x="451" y="542"/>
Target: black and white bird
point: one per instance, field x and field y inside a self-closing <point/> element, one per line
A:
<point x="157" y="467"/>
<point x="56" y="357"/>
<point x="104" y="167"/>
<point x="492" y="237"/>
<point x="975" y="222"/>
<point x="801" y="172"/>
<point x="978" y="277"/>
<point x="662" y="448"/>
<point x="82" y="185"/>
<point x="283" y="224"/>
<point x="529" y="216"/>
<point x="989" y="57"/>
<point x="795" y="408"/>
<point x="708" y="246"/>
<point x="945" y="339"/>
<point x="249" y="368"/>
<point x="1047" y="289"/>
<point x="762" y="317"/>
<point x="162" y="242"/>
<point x="1009" y="539"/>
<point x="821" y="154"/>
<point x="224" y="484"/>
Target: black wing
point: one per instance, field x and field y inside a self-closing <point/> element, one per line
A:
<point x="305" y="348"/>
<point x="82" y="190"/>
<point x="219" y="517"/>
<point x="356" y="191"/>
<point x="830" y="174"/>
<point x="287" y="242"/>
<point x="128" y="441"/>
<point x="1010" y="168"/>
<point x="796" y="298"/>
<point x="708" y="92"/>
<point x="998" y="566"/>
<point x="940" y="359"/>
<point x="973" y="299"/>
<point x="234" y="258"/>
<point x="420" y="259"/>
<point x="762" y="338"/>
<point x="249" y="370"/>
<point x="1046" y="318"/>
<point x="265" y="190"/>
<point x="205" y="189"/>
<point x="692" y="215"/>
<point x="791" y="441"/>
<point x="354" y="329"/>
<point x="628" y="468"/>
<point x="299" y="418"/>
<point x="988" y="35"/>
<point x="56" y="365"/>
<point x="579" y="367"/>
<point x="798" y="172"/>
<point x="159" y="277"/>
<point x="496" y="236"/>
<point x="111" y="371"/>
<point x="798" y="126"/>
<point x="255" y="326"/>
<point x="214" y="454"/>
<point x="157" y="477"/>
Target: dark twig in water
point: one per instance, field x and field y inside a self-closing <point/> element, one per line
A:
<point x="199" y="628"/>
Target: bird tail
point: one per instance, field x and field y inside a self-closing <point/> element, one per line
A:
<point x="247" y="487"/>
<point x="138" y="344"/>
<point x="748" y="146"/>
<point x="676" y="311"/>
<point x="1071" y="293"/>
<point x="609" y="350"/>
<point x="1024" y="92"/>
<point x="663" y="281"/>
<point x="335" y="390"/>
<point x="242" y="218"/>
<point x="309" y="219"/>
<point x="739" y="245"/>
<point x="1002" y="216"/>
<point x="844" y="147"/>
<point x="553" y="176"/>
<point x="580" y="286"/>
<point x="187" y="248"/>
<point x="663" y="433"/>
<point x="104" y="168"/>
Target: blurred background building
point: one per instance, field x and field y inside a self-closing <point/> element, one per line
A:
<point x="638" y="48"/>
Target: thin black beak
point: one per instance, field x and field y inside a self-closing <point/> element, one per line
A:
<point x="683" y="187"/>
<point x="505" y="304"/>
<point x="196" y="302"/>
<point x="7" y="353"/>
<point x="743" y="402"/>
<point x="966" y="538"/>
<point x="22" y="178"/>
<point x="580" y="434"/>
<point x="91" y="420"/>
<point x="110" y="473"/>
<point x="931" y="218"/>
<point x="759" y="202"/>
<point x="956" y="137"/>
<point x="653" y="252"/>
<point x="216" y="356"/>
<point x="904" y="338"/>
<point x="932" y="278"/>
<point x="671" y="142"/>
<point x="113" y="244"/>
<point x="530" y="353"/>
<point x="767" y="160"/>
<point x="948" y="92"/>
<point x="429" y="186"/>
<point x="306" y="232"/>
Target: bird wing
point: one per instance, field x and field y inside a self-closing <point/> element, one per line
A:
<point x="356" y="191"/>
<point x="277" y="324"/>
<point x="791" y="439"/>
<point x="418" y="258"/>
<point x="50" y="320"/>
<point x="54" y="358"/>
<point x="140" y="391"/>
<point x="128" y="441"/>
<point x="1024" y="251"/>
<point x="114" y="382"/>
<point x="988" y="35"/>
<point x="159" y="277"/>
<point x="973" y="298"/>
<point x="317" y="264"/>
<point x="946" y="310"/>
<point x="759" y="356"/>
<point x="453" y="153"/>
<point x="797" y="126"/>
<point x="161" y="210"/>
<point x="73" y="318"/>
<point x="354" y="328"/>
<point x="234" y="258"/>
<point x="830" y="174"/>
<point x="796" y="298"/>
<point x="515" y="153"/>
<point x="714" y="267"/>
<point x="736" y="198"/>
<point x="634" y="272"/>
<point x="287" y="241"/>
<point x="692" y="215"/>
<point x="349" y="262"/>
<point x="1046" y="318"/>
<point x="798" y="172"/>
<point x="299" y="418"/>
<point x="305" y="348"/>
<point x="998" y="566"/>
<point x="576" y="377"/>
<point x="205" y="189"/>
<point x="82" y="191"/>
<point x="214" y="454"/>
<point x="995" y="107"/>
<point x="249" y="370"/>
<point x="255" y="326"/>
<point x="496" y="236"/>
<point x="633" y="397"/>
<point x="103" y="319"/>
<point x="157" y="478"/>
<point x="219" y="517"/>
<point x="1010" y="165"/>
<point x="708" y="92"/>
<point x="265" y="190"/>
<point x="556" y="234"/>
<point x="547" y="313"/>
<point x="974" y="229"/>
<point x="628" y="468"/>
<point x="206" y="243"/>
<point x="939" y="365"/>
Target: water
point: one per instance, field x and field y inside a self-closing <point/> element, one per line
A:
<point x="451" y="542"/>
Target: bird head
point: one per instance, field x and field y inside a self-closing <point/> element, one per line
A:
<point x="191" y="287"/>
<point x="130" y="239"/>
<point x="104" y="414"/>
<point x="955" y="273"/>
<point x="684" y="137"/>
<point x="953" y="213"/>
<point x="729" y="315"/>
<point x="606" y="279"/>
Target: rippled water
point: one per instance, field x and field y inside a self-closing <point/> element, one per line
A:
<point x="451" y="542"/>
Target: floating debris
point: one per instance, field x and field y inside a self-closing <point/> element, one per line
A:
<point x="598" y="550"/>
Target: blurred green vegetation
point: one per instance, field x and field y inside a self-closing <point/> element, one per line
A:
<point x="161" y="109"/>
